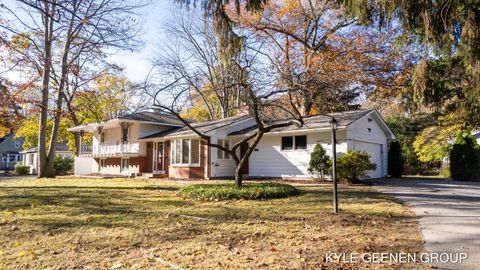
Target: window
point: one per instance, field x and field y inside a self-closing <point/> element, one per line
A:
<point x="287" y="143"/>
<point x="301" y="142"/>
<point x="125" y="164"/>
<point x="12" y="158"/>
<point x="102" y="137"/>
<point x="178" y="151"/>
<point x="220" y="153"/>
<point x="17" y="144"/>
<point x="186" y="152"/>
<point x="30" y="159"/>
<point x="294" y="142"/>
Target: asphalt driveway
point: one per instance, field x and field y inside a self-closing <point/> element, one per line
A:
<point x="448" y="212"/>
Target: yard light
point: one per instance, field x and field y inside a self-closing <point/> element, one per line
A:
<point x="333" y="125"/>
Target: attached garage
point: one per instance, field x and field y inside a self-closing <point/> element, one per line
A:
<point x="360" y="130"/>
<point x="375" y="151"/>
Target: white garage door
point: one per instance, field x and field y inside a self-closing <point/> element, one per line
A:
<point x="375" y="152"/>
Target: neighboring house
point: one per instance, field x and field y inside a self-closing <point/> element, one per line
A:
<point x="446" y="160"/>
<point x="30" y="156"/>
<point x="160" y="145"/>
<point x="10" y="148"/>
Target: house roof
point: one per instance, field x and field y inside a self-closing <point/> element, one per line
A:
<point x="315" y="122"/>
<point x="152" y="117"/>
<point x="203" y="127"/>
<point x="6" y="137"/>
<point x="146" y="117"/>
<point x="60" y="147"/>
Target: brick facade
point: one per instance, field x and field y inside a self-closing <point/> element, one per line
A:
<point x="182" y="172"/>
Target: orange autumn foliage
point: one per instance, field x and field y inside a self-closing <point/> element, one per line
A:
<point x="327" y="59"/>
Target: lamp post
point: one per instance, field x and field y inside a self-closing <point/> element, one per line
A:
<point x="333" y="125"/>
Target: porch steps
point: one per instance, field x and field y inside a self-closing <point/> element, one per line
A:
<point x="151" y="175"/>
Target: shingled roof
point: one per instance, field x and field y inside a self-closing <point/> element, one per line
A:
<point x="60" y="147"/>
<point x="315" y="122"/>
<point x="203" y="127"/>
<point x="153" y="117"/>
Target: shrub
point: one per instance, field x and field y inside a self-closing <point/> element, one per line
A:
<point x="465" y="158"/>
<point x="63" y="165"/>
<point x="319" y="161"/>
<point x="354" y="165"/>
<point x="219" y="192"/>
<point x="445" y="172"/>
<point x="395" y="159"/>
<point x="21" y="169"/>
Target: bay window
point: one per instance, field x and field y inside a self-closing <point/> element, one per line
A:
<point x="185" y="152"/>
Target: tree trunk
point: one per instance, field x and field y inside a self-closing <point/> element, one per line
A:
<point x="77" y="143"/>
<point x="42" y="137"/>
<point x="238" y="177"/>
<point x="307" y="106"/>
<point x="59" y="103"/>
<point x="53" y="140"/>
<point x="76" y="134"/>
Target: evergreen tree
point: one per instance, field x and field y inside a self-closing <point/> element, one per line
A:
<point x="319" y="161"/>
<point x="395" y="159"/>
<point x="465" y="158"/>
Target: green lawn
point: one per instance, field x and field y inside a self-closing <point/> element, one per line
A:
<point x="142" y="224"/>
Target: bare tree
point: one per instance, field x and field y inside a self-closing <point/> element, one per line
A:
<point x="96" y="94"/>
<point x="191" y="56"/>
<point x="56" y="34"/>
<point x="179" y="72"/>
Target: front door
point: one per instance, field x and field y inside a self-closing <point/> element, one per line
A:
<point x="159" y="157"/>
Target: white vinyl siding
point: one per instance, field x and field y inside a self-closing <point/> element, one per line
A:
<point x="271" y="161"/>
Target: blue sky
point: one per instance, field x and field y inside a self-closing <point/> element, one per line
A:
<point x="136" y="64"/>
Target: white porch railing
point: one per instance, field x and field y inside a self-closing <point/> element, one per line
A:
<point x="116" y="149"/>
<point x="85" y="149"/>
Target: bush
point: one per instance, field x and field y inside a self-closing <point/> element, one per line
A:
<point x="445" y="172"/>
<point x="395" y="159"/>
<point x="319" y="161"/>
<point x="63" y="165"/>
<point x="21" y="169"/>
<point x="219" y="192"/>
<point x="354" y="165"/>
<point x="465" y="158"/>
